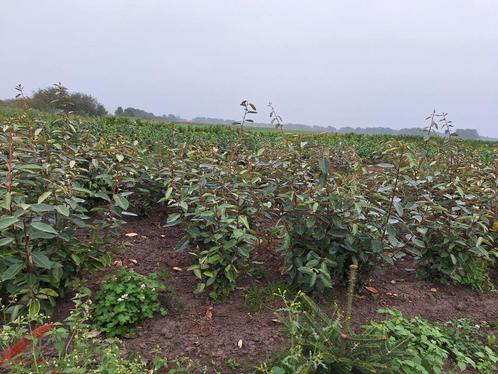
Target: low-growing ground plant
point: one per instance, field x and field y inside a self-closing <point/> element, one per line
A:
<point x="72" y="346"/>
<point x="433" y="346"/>
<point x="126" y="298"/>
<point x="177" y="365"/>
<point x="232" y="364"/>
<point x="259" y="296"/>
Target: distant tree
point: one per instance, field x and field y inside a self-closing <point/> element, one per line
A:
<point x="413" y="131"/>
<point x="130" y="112"/>
<point x="86" y="104"/>
<point x="9" y="103"/>
<point x="134" y="112"/>
<point x="139" y="113"/>
<point x="58" y="97"/>
<point x="467" y="133"/>
<point x="119" y="111"/>
<point x="171" y="117"/>
<point x="213" y="121"/>
<point x="51" y="98"/>
<point x="347" y="130"/>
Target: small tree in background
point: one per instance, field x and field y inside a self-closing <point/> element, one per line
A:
<point x="58" y="97"/>
<point x="119" y="111"/>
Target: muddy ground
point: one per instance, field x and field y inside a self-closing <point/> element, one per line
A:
<point x="211" y="336"/>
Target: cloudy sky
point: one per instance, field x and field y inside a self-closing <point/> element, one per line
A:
<point x="324" y="62"/>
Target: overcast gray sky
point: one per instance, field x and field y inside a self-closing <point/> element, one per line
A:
<point x="323" y="62"/>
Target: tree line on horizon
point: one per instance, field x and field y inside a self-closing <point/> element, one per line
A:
<point x="57" y="97"/>
<point x="139" y="113"/>
<point x="409" y="131"/>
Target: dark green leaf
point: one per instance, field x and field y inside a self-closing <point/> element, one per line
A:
<point x="12" y="271"/>
<point x="44" y="227"/>
<point x="41" y="260"/>
<point x="7" y="221"/>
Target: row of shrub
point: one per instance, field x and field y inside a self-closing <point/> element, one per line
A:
<point x="65" y="184"/>
<point x="63" y="191"/>
<point x="441" y="209"/>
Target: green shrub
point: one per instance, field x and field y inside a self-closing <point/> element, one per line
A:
<point x="44" y="202"/>
<point x="451" y="234"/>
<point x="126" y="298"/>
<point x="325" y="233"/>
<point x="216" y="207"/>
<point x="451" y="216"/>
<point x="221" y="233"/>
<point x="321" y="344"/>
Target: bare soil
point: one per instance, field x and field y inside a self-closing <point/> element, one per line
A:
<point x="210" y="333"/>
